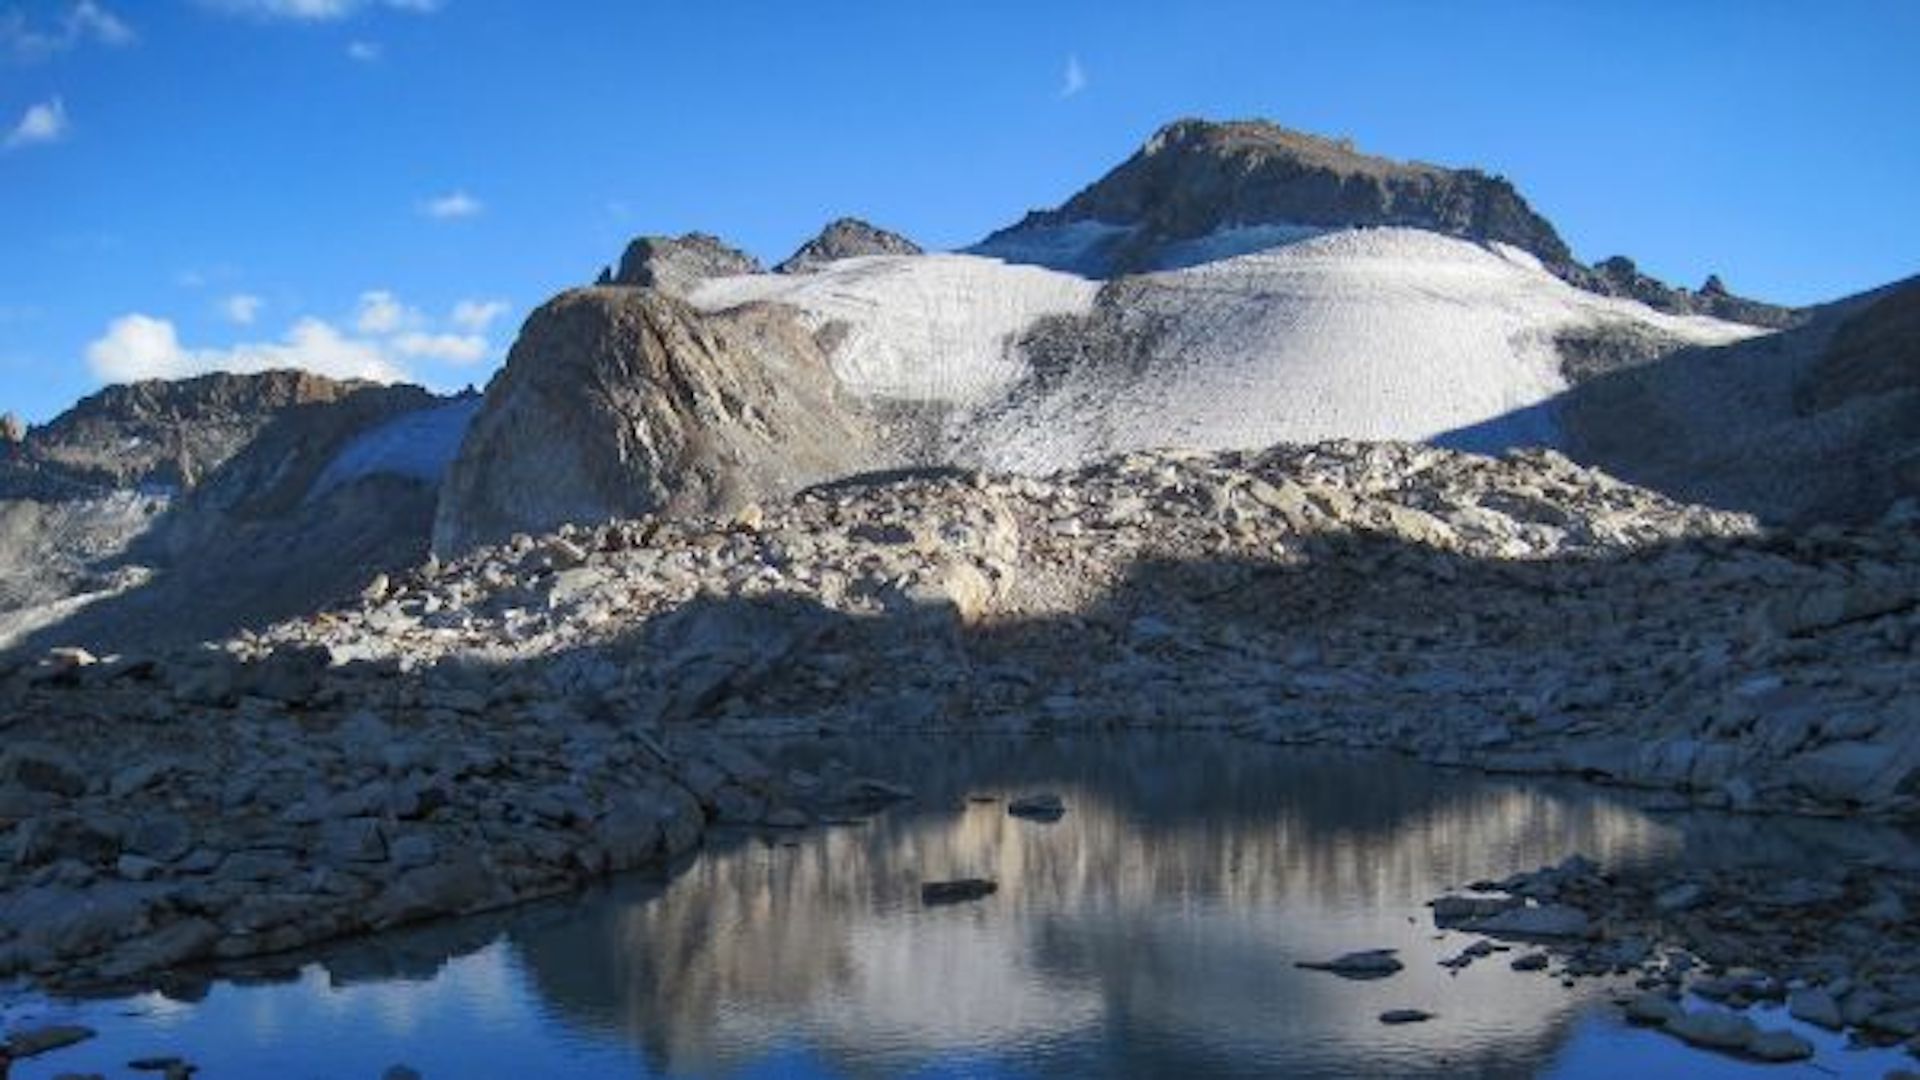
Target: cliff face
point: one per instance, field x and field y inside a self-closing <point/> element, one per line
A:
<point x="619" y="402"/>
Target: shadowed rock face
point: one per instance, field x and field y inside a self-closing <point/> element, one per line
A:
<point x="1876" y="351"/>
<point x="847" y="238"/>
<point x="676" y="264"/>
<point x="1820" y="422"/>
<point x="177" y="433"/>
<point x="621" y="402"/>
<point x="1195" y="176"/>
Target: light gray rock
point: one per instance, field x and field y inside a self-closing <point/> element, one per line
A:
<point x="1544" y="921"/>
<point x="1716" y="1029"/>
<point x="621" y="402"/>
<point x="1815" y="1006"/>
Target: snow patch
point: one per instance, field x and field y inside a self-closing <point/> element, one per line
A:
<point x="921" y="328"/>
<point x="418" y="445"/>
<point x="1080" y="247"/>
<point x="1231" y="242"/>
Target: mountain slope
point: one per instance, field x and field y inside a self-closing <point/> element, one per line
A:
<point x="165" y="512"/>
<point x="1200" y="190"/>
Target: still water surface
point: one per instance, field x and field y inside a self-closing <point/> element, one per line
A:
<point x="1151" y="931"/>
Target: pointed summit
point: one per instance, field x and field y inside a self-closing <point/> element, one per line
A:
<point x="846" y="238"/>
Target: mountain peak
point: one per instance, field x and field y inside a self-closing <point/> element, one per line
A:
<point x="1195" y="177"/>
<point x="846" y="238"/>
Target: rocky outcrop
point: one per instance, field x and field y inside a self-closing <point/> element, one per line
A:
<point x="13" y="430"/>
<point x="1618" y="276"/>
<point x="846" y="238"/>
<point x="617" y="402"/>
<point x="175" y="433"/>
<point x="1194" y="177"/>
<point x="675" y="264"/>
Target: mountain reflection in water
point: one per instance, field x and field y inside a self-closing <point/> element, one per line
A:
<point x="1154" y="926"/>
<point x="1151" y="931"/>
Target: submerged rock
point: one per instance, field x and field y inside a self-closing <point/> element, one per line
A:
<point x="1369" y="964"/>
<point x="957" y="891"/>
<point x="1043" y="806"/>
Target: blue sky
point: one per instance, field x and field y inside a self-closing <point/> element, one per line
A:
<point x="390" y="185"/>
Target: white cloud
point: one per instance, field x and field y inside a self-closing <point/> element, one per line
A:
<point x="42" y="123"/>
<point x="85" y="20"/>
<point x="140" y="346"/>
<point x="316" y="10"/>
<point x="447" y="348"/>
<point x="474" y="316"/>
<point x="454" y="204"/>
<point x="381" y="312"/>
<point x="1074" y="79"/>
<point x="242" y="308"/>
<point x="366" y="52"/>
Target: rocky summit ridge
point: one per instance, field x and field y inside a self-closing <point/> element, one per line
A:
<point x="1196" y="178"/>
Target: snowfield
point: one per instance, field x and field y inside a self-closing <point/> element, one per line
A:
<point x="1384" y="333"/>
<point x="938" y="328"/>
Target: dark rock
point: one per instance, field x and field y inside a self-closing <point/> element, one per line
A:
<point x="958" y="891"/>
<point x="1370" y="964"/>
<point x="1405" y="1016"/>
<point x="39" y="767"/>
<point x="1042" y="806"/>
<point x="1530" y="962"/>
<point x="41" y="1040"/>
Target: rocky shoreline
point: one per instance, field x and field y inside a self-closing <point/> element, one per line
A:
<point x="540" y="714"/>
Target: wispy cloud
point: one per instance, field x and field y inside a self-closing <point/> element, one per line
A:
<point x="241" y="308"/>
<point x="365" y="52"/>
<point x="83" y="21"/>
<point x="315" y="10"/>
<point x="474" y="316"/>
<point x="42" y="123"/>
<point x="446" y="348"/>
<point x="1074" y="78"/>
<point x="454" y="204"/>
<point x="381" y="312"/>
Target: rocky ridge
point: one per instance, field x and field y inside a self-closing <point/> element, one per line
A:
<point x="676" y="264"/>
<point x="530" y="716"/>
<point x="845" y="238"/>
<point x="1196" y="178"/>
